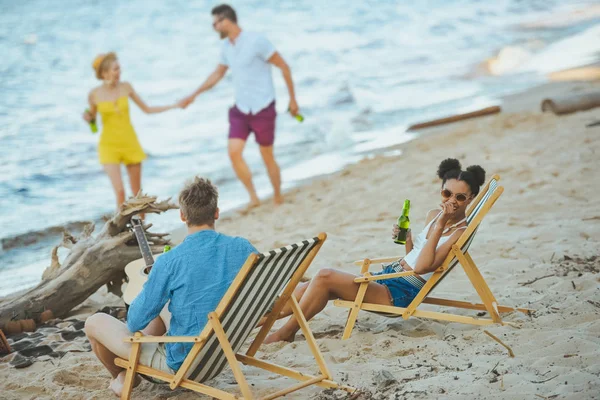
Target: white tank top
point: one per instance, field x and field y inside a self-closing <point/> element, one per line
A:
<point x="421" y="239"/>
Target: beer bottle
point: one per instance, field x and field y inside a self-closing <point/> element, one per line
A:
<point x="298" y="117"/>
<point x="93" y="125"/>
<point x="403" y="224"/>
<point x="166" y="248"/>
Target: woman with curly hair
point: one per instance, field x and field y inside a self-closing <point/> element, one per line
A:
<point x="424" y="254"/>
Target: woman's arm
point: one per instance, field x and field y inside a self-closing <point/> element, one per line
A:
<point x="90" y="114"/>
<point x="431" y="256"/>
<point x="146" y="108"/>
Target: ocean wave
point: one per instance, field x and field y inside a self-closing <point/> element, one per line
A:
<point x="508" y="59"/>
<point x="43" y="235"/>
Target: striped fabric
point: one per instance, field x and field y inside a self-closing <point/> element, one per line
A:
<point x="265" y="281"/>
<point x="416" y="282"/>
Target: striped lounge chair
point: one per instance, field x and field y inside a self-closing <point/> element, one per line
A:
<point x="459" y="254"/>
<point x="265" y="283"/>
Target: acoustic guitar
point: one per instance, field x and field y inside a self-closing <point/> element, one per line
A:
<point x="137" y="271"/>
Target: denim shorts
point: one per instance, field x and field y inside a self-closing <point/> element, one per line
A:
<point x="401" y="291"/>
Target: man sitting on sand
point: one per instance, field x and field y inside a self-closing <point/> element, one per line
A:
<point x="194" y="276"/>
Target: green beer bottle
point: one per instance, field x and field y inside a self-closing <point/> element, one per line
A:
<point x="166" y="248"/>
<point x="403" y="224"/>
<point x="93" y="125"/>
<point x="298" y="117"/>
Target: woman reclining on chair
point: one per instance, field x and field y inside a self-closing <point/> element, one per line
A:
<point x="423" y="255"/>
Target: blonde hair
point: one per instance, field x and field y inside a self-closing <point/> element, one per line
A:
<point x="102" y="62"/>
<point x="198" y="202"/>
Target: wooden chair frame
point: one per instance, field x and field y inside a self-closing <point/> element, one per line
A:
<point x="488" y="301"/>
<point x="324" y="379"/>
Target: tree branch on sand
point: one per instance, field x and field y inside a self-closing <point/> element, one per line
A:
<point x="93" y="261"/>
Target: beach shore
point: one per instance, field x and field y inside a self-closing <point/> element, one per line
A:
<point x="546" y="224"/>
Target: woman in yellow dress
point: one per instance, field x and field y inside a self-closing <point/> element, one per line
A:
<point x="118" y="141"/>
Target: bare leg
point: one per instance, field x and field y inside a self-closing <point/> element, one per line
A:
<point x="114" y="174"/>
<point x="135" y="179"/>
<point x="287" y="309"/>
<point x="328" y="284"/>
<point x="273" y="170"/>
<point x="236" y="148"/>
<point x="298" y="293"/>
<point x="106" y="335"/>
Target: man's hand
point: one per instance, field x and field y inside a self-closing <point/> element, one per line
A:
<point x="293" y="107"/>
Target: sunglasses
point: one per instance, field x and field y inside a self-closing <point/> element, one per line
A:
<point x="460" y="197"/>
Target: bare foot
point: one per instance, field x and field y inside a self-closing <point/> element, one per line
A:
<point x="116" y="385"/>
<point x="278" y="337"/>
<point x="251" y="206"/>
<point x="278" y="200"/>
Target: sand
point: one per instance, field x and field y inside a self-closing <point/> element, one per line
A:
<point x="546" y="224"/>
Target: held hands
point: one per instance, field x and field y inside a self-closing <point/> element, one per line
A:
<point x="181" y="104"/>
<point x="186" y="101"/>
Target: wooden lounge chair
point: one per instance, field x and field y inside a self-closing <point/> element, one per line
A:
<point x="265" y="281"/>
<point x="458" y="254"/>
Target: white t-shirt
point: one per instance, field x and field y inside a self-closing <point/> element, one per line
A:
<point x="252" y="79"/>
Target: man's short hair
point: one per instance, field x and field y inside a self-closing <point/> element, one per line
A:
<point x="198" y="202"/>
<point x="225" y="11"/>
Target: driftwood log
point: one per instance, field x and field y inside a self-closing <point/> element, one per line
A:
<point x="571" y="104"/>
<point x="93" y="261"/>
<point x="456" y="118"/>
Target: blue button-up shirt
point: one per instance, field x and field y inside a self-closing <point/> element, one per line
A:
<point x="194" y="276"/>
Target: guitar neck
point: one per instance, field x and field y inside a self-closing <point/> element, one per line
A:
<point x="138" y="229"/>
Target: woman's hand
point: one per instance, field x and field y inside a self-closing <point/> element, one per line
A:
<point x="87" y="116"/>
<point x="448" y="212"/>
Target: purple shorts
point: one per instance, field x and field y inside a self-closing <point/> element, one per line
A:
<point x="262" y="124"/>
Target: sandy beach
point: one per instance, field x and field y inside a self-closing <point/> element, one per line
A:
<point x="546" y="224"/>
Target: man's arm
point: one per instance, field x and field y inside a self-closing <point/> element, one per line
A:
<point x="208" y="84"/>
<point x="151" y="300"/>
<point x="280" y="63"/>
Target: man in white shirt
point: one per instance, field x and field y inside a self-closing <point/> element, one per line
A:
<point x="249" y="55"/>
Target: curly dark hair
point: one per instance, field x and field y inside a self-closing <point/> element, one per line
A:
<point x="474" y="176"/>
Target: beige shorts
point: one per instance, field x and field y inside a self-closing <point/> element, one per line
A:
<point x="154" y="355"/>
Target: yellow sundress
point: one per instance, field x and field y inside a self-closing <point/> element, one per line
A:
<point x="118" y="141"/>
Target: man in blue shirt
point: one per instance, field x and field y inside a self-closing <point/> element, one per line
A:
<point x="193" y="277"/>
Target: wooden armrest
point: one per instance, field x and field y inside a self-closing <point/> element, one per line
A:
<point x="377" y="260"/>
<point x="162" y="339"/>
<point x="369" y="277"/>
